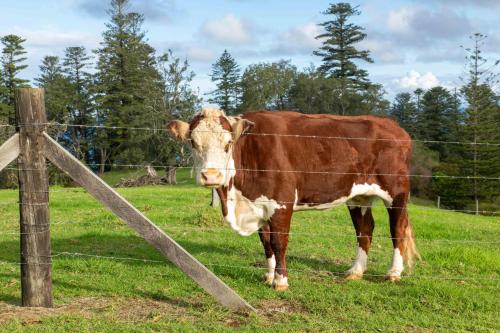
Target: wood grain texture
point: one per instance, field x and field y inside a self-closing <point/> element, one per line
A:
<point x="9" y="151"/>
<point x="143" y="226"/>
<point x="36" y="280"/>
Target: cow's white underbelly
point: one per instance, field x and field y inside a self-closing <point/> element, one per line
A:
<point x="246" y="216"/>
<point x="361" y="195"/>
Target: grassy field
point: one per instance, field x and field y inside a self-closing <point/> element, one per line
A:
<point x="454" y="288"/>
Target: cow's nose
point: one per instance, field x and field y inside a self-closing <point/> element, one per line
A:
<point x="211" y="177"/>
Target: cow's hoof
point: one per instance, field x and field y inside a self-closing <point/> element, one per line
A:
<point x="280" y="287"/>
<point x="280" y="282"/>
<point x="269" y="278"/>
<point x="353" y="276"/>
<point x="392" y="277"/>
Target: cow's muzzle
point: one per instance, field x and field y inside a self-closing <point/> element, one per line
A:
<point x="211" y="177"/>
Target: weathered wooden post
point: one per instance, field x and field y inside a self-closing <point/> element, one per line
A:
<point x="36" y="264"/>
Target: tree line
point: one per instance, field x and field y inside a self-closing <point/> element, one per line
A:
<point x="127" y="85"/>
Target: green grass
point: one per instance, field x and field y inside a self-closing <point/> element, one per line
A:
<point x="454" y="288"/>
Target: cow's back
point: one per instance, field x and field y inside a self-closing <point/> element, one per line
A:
<point x="317" y="156"/>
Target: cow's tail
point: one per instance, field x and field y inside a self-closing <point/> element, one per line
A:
<point x="410" y="252"/>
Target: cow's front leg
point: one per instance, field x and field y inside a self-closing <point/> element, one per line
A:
<point x="265" y="238"/>
<point x="280" y="227"/>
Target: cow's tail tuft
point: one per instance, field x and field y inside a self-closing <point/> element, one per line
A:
<point x="410" y="252"/>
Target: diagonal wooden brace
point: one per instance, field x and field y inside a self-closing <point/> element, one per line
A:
<point x="143" y="226"/>
<point x="9" y="151"/>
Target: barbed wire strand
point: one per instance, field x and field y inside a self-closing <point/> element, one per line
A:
<point x="361" y="174"/>
<point x="315" y="205"/>
<point x="170" y="229"/>
<point x="209" y="264"/>
<point x="262" y="134"/>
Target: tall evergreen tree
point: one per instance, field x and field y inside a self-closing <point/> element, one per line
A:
<point x="404" y="110"/>
<point x="128" y="86"/>
<point x="80" y="107"/>
<point x="437" y="120"/>
<point x="339" y="51"/>
<point x="481" y="123"/>
<point x="57" y="90"/>
<point x="226" y="75"/>
<point x="12" y="62"/>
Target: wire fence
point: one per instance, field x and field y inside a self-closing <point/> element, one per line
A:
<point x="254" y="267"/>
<point x="225" y="231"/>
<point x="170" y="229"/>
<point x="266" y="134"/>
<point x="360" y="174"/>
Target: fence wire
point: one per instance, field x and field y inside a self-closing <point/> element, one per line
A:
<point x="58" y="255"/>
<point x="153" y="129"/>
<point x="250" y="267"/>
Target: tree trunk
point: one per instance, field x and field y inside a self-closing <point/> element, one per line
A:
<point x="151" y="171"/>
<point x="171" y="175"/>
<point x="102" y="162"/>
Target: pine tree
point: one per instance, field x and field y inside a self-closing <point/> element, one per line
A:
<point x="436" y="122"/>
<point x="226" y="74"/>
<point x="481" y="123"/>
<point x="338" y="51"/>
<point x="128" y="86"/>
<point x="404" y="110"/>
<point x="56" y="87"/>
<point x="80" y="109"/>
<point x="12" y="62"/>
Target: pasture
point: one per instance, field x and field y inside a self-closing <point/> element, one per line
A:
<point x="100" y="285"/>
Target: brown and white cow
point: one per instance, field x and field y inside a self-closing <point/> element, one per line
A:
<point x="266" y="165"/>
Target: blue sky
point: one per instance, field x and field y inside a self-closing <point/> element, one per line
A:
<point x="414" y="43"/>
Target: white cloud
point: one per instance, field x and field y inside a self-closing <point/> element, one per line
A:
<point x="229" y="29"/>
<point x="297" y="40"/>
<point x="196" y="53"/>
<point x="414" y="79"/>
<point x="382" y="50"/>
<point x="53" y="39"/>
<point x="304" y="36"/>
<point x="399" y="21"/>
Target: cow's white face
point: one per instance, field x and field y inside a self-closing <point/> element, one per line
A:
<point x="212" y="135"/>
<point x="212" y="152"/>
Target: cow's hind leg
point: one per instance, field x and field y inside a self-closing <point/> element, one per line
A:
<point x="363" y="223"/>
<point x="280" y="227"/>
<point x="402" y="238"/>
<point x="265" y="238"/>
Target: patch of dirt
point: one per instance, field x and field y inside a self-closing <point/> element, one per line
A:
<point x="272" y="307"/>
<point x="121" y="309"/>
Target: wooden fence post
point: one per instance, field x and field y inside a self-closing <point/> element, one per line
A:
<point x="36" y="263"/>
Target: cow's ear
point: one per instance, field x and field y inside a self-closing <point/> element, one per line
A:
<point x="178" y="129"/>
<point x="240" y="127"/>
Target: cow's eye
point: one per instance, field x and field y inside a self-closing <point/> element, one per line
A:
<point x="228" y="145"/>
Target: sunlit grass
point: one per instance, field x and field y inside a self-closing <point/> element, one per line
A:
<point x="454" y="288"/>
